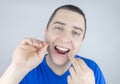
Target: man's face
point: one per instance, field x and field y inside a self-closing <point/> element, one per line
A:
<point x="65" y="35"/>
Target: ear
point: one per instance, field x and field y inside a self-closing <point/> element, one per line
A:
<point x="83" y="37"/>
<point x="45" y="35"/>
<point x="82" y="41"/>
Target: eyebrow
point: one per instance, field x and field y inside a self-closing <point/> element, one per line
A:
<point x="58" y="22"/>
<point x="78" y="28"/>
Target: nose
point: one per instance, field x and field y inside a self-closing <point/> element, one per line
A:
<point x="65" y="38"/>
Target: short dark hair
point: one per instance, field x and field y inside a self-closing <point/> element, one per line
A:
<point x="71" y="8"/>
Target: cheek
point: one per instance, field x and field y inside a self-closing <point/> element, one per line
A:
<point x="50" y="38"/>
<point x="77" y="46"/>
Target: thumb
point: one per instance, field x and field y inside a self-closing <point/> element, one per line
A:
<point x="42" y="51"/>
<point x="71" y="57"/>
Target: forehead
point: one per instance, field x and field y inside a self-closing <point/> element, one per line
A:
<point x="69" y="17"/>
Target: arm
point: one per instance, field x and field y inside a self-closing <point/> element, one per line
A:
<point x="13" y="74"/>
<point x="27" y="56"/>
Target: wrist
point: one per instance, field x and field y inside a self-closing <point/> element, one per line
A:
<point x="13" y="75"/>
<point x="19" y="68"/>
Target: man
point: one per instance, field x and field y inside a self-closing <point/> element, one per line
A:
<point x="64" y="35"/>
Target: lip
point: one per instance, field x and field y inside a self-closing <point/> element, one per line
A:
<point x="58" y="54"/>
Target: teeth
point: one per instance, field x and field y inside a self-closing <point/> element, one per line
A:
<point x="62" y="49"/>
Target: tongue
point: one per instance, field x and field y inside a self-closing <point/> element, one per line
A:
<point x="61" y="52"/>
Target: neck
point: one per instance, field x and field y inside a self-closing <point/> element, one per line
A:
<point x="58" y="69"/>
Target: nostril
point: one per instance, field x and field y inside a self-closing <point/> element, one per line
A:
<point x="65" y="39"/>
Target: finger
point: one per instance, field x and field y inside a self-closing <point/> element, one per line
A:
<point x="73" y="73"/>
<point x="83" y="64"/>
<point x="83" y="68"/>
<point x="27" y="47"/>
<point x="75" y="64"/>
<point x="42" y="43"/>
<point x="42" y="51"/>
<point x="69" y="79"/>
<point x="27" y="42"/>
<point x="71" y="57"/>
<point x="35" y="43"/>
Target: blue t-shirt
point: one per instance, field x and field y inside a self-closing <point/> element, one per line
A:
<point x="43" y="74"/>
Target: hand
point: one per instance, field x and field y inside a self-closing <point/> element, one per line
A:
<point x="29" y="53"/>
<point x="80" y="73"/>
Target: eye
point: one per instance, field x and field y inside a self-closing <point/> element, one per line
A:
<point x="58" y="28"/>
<point x="75" y="33"/>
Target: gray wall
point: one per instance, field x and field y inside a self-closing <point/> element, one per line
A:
<point x="27" y="18"/>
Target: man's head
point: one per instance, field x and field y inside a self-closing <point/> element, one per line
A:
<point x="65" y="32"/>
<point x="71" y="8"/>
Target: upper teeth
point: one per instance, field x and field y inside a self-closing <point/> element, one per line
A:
<point x="62" y="49"/>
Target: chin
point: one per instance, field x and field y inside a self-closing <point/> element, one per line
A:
<point x="60" y="61"/>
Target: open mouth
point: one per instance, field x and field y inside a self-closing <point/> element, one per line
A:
<point x="61" y="50"/>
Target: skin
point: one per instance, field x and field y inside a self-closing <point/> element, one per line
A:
<point x="66" y="30"/>
<point x="28" y="54"/>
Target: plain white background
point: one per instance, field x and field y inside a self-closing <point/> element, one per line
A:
<point x="20" y="19"/>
